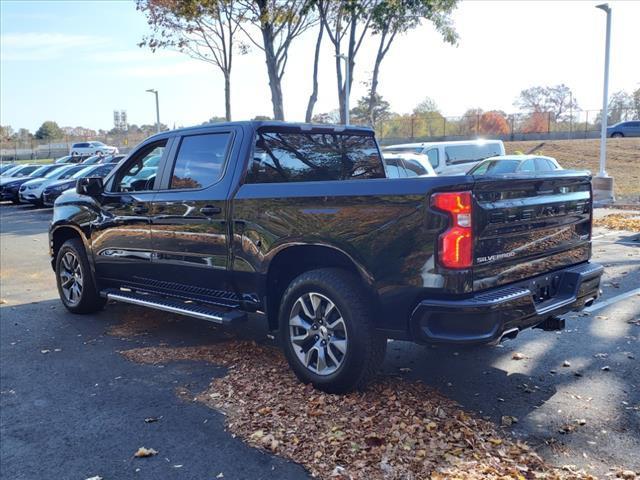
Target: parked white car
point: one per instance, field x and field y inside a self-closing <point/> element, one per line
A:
<point x="451" y="158"/>
<point x="92" y="148"/>
<point x="515" y="164"/>
<point x="32" y="190"/>
<point x="405" y="165"/>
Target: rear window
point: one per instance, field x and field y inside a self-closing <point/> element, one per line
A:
<point x="471" y="153"/>
<point x="309" y="157"/>
<point x="200" y="160"/>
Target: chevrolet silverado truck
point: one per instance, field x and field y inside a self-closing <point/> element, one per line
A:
<point x="298" y="223"/>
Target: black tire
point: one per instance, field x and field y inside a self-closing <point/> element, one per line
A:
<point x="617" y="135"/>
<point x="365" y="348"/>
<point x="74" y="154"/>
<point x="88" y="299"/>
<point x="15" y="201"/>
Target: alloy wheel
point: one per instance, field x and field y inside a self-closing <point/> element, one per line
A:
<point x="318" y="333"/>
<point x="71" y="278"/>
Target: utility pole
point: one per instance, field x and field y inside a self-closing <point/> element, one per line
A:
<point x="155" y="92"/>
<point x="603" y="184"/>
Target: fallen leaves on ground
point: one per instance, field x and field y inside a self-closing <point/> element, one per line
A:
<point x="145" y="452"/>
<point x="395" y="429"/>
<point x="619" y="221"/>
<point x="518" y="356"/>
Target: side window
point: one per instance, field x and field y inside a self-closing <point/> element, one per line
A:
<point x="433" y="156"/>
<point x="139" y="173"/>
<point x="543" y="165"/>
<point x="413" y="168"/>
<point x="307" y="157"/>
<point x="482" y="168"/>
<point x="393" y="169"/>
<point x="528" y="166"/>
<point x="200" y="160"/>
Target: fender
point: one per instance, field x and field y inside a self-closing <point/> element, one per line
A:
<point x="362" y="270"/>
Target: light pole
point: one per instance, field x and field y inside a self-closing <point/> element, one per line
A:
<point x="155" y="92"/>
<point x="346" y="87"/>
<point x="605" y="95"/>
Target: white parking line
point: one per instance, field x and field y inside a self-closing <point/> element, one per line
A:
<point x="617" y="298"/>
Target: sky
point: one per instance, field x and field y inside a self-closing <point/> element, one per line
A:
<point x="75" y="62"/>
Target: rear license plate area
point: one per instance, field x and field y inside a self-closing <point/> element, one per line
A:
<point x="544" y="288"/>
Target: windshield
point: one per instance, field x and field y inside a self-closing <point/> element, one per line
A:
<point x="496" y="167"/>
<point x="471" y="152"/>
<point x="56" y="172"/>
<point x="12" y="170"/>
<point x="403" y="149"/>
<point x="84" y="172"/>
<point x="22" y="171"/>
<point x="42" y="171"/>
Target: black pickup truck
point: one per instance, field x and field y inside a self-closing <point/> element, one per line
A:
<point x="298" y="223"/>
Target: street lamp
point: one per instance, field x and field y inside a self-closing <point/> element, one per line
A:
<point x="603" y="187"/>
<point x="155" y="92"/>
<point x="346" y="87"/>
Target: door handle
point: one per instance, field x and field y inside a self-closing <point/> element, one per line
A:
<point x="138" y="209"/>
<point x="209" y="210"/>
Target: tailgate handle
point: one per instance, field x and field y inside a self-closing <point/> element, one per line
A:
<point x="210" y="210"/>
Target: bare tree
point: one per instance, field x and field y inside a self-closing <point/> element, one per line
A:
<point x="346" y="22"/>
<point x="393" y="17"/>
<point x="557" y="99"/>
<point x="279" y="22"/>
<point x="313" y="98"/>
<point x="203" y="29"/>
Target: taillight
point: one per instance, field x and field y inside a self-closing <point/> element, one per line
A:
<point x="456" y="244"/>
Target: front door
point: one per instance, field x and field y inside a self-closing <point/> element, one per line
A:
<point x="189" y="231"/>
<point x="121" y="243"/>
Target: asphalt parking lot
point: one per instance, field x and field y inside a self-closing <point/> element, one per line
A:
<point x="72" y="407"/>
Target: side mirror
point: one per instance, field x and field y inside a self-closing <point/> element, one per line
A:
<point x="91" y="186"/>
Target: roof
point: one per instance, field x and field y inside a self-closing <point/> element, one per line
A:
<point x="454" y="142"/>
<point x="255" y="124"/>
<point x="520" y="158"/>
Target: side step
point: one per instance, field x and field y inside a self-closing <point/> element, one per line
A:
<point x="197" y="310"/>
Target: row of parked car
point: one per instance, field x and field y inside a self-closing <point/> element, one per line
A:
<point x="42" y="184"/>
<point x="467" y="157"/>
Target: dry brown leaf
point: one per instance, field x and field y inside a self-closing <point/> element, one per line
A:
<point x="145" y="452"/>
<point x="394" y="429"/>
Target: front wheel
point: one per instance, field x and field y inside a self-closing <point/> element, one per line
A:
<point x="327" y="331"/>
<point x="75" y="283"/>
<point x="617" y="135"/>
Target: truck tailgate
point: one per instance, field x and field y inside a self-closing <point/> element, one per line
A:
<point x="526" y="226"/>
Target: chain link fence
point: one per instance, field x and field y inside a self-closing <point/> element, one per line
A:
<point x="400" y="128"/>
<point x="516" y="126"/>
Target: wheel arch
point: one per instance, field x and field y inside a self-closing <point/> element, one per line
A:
<point x="291" y="260"/>
<point x="62" y="233"/>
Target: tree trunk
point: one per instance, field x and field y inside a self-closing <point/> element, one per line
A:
<point x="272" y="70"/>
<point x="227" y="96"/>
<point x="313" y="98"/>
<point x="374" y="79"/>
<point x="341" y="92"/>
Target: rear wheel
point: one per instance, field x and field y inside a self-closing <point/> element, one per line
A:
<point x="75" y="283"/>
<point x="327" y="331"/>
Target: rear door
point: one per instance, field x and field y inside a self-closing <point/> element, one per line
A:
<point x="189" y="231"/>
<point x="528" y="226"/>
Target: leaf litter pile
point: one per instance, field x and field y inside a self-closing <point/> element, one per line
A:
<point x="395" y="429"/>
<point x="620" y="221"/>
